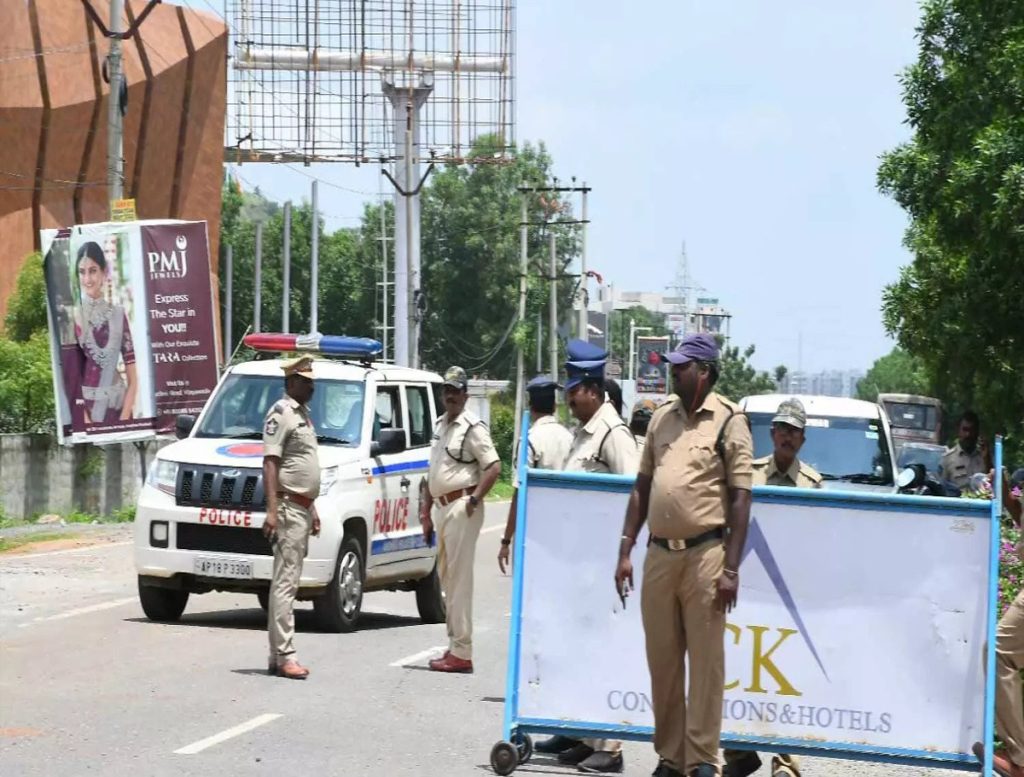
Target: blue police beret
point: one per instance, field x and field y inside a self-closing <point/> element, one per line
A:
<point x="542" y="383"/>
<point x="585" y="360"/>
<point x="694" y="347"/>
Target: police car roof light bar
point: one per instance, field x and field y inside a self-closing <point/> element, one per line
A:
<point x="361" y="348"/>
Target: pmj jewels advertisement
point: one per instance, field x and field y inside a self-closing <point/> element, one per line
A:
<point x="132" y="329"/>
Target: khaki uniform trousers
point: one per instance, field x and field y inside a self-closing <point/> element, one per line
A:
<point x="456" y="549"/>
<point x="780" y="763"/>
<point x="685" y="630"/>
<point x="1009" y="663"/>
<point x="293" y="527"/>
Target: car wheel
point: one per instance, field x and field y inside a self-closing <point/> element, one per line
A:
<point x="164" y="605"/>
<point x="430" y="598"/>
<point x="338" y="609"/>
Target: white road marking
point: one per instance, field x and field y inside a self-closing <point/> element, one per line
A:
<point x="415" y="657"/>
<point x="91" y="608"/>
<point x="223" y="736"/>
<point x="489" y="529"/>
<point x="86" y="549"/>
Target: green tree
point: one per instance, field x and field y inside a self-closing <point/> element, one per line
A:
<point x="26" y="308"/>
<point x="26" y="393"/>
<point x="960" y="178"/>
<point x="738" y="378"/>
<point x="26" y="387"/>
<point x="895" y="373"/>
<point x="471" y="262"/>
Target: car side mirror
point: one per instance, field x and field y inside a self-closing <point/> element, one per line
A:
<point x="183" y="425"/>
<point x="391" y="441"/>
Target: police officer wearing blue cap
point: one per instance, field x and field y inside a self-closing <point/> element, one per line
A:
<point x="694" y="490"/>
<point x="602" y="443"/>
<point x="547" y="445"/>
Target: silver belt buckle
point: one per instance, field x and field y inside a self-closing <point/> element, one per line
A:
<point x="677" y="544"/>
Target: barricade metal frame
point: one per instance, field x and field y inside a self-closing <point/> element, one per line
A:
<point x="516" y="747"/>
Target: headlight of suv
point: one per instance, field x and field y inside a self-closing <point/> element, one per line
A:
<point x="163" y="475"/>
<point x="328" y="477"/>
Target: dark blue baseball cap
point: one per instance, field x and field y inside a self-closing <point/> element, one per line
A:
<point x="699" y="347"/>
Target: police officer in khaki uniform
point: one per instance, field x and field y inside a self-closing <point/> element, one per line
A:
<point x="291" y="481"/>
<point x="966" y="458"/>
<point x="694" y="490"/>
<point x="782" y="468"/>
<point x="1008" y="761"/>
<point x="602" y="443"/>
<point x="547" y="445"/>
<point x="463" y="467"/>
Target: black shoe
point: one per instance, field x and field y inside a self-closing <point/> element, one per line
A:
<point x="663" y="769"/>
<point x="601" y="762"/>
<point x="576" y="754"/>
<point x="746" y="763"/>
<point x="555" y="744"/>
<point x="708" y="770"/>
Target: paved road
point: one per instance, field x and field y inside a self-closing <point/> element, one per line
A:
<point x="88" y="686"/>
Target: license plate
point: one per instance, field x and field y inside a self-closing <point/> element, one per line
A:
<point x="223" y="567"/>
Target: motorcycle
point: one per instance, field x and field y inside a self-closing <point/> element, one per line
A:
<point x="915" y="479"/>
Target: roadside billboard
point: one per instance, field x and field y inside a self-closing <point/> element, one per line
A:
<point x="132" y="330"/>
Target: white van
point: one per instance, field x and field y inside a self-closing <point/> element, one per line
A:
<point x="847" y="440"/>
<point x="200" y="513"/>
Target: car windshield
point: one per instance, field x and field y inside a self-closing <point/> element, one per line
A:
<point x="913" y="415"/>
<point x="931" y="457"/>
<point x="239" y="407"/>
<point x="852" y="449"/>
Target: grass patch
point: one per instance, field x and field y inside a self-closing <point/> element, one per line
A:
<point x="11" y="543"/>
<point x="502" y="491"/>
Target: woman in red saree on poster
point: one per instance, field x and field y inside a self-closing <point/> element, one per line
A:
<point x="105" y="337"/>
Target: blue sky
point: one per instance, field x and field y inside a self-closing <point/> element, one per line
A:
<point x="749" y="129"/>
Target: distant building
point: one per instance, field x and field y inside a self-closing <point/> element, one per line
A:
<point x="704" y="316"/>
<point x="829" y="383"/>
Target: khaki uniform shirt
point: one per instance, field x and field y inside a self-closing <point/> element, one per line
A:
<point x="800" y="475"/>
<point x="289" y="434"/>
<point x="547" y="444"/>
<point x="691" y="482"/>
<point x="957" y="465"/>
<point x="461" y="450"/>
<point x="604" y="444"/>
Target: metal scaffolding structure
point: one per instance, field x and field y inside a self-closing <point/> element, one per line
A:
<point x="306" y="78"/>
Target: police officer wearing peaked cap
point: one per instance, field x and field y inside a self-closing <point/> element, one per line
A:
<point x="781" y="468"/>
<point x="602" y="443"/>
<point x="291" y="481"/>
<point x="463" y="467"/>
<point x="547" y="444"/>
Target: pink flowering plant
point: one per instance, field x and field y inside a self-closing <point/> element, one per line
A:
<point x="1011" y="567"/>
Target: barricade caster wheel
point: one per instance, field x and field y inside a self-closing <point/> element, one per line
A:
<point x="524" y="746"/>
<point x="504" y="758"/>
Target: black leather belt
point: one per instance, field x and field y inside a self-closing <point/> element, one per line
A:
<point x="711" y="534"/>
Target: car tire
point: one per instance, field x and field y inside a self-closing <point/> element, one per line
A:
<point x="430" y="598"/>
<point x="337" y="610"/>
<point x="163" y="605"/>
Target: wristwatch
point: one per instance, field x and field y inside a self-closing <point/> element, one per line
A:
<point x="473" y="500"/>
<point x="505" y="541"/>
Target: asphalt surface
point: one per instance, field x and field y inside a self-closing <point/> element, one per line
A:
<point x="88" y="686"/>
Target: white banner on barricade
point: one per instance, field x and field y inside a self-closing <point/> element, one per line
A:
<point x="860" y="625"/>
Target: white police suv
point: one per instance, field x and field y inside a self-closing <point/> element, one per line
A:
<point x="200" y="512"/>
